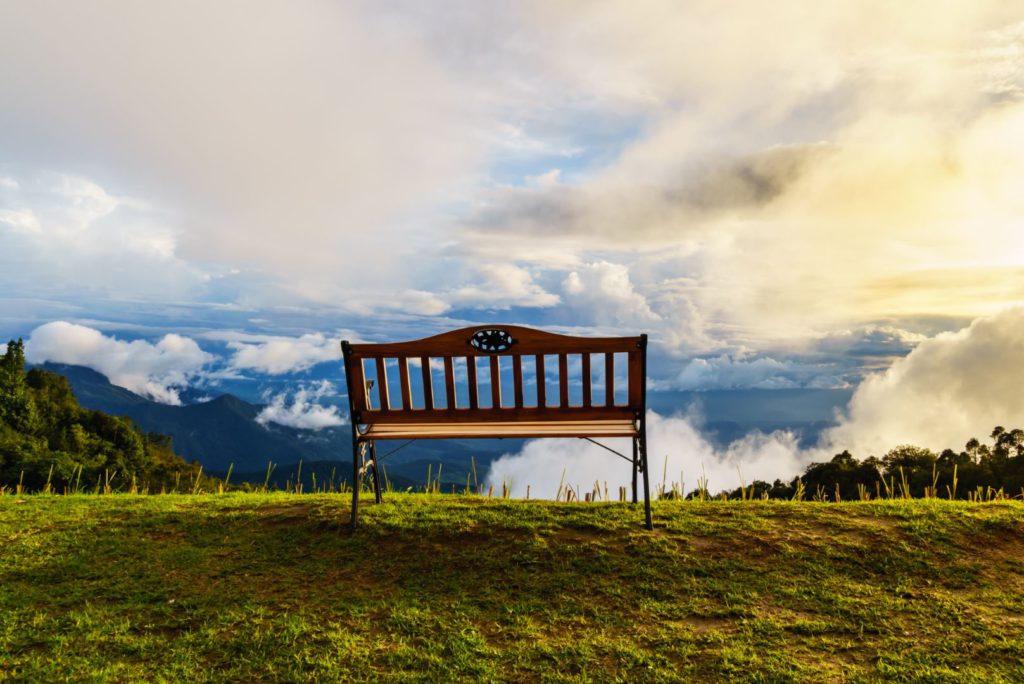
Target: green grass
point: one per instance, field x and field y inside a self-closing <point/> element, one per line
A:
<point x="254" y="587"/>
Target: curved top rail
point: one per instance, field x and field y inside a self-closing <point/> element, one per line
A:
<point x="485" y="340"/>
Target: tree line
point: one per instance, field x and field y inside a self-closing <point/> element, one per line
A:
<point x="48" y="441"/>
<point x="978" y="471"/>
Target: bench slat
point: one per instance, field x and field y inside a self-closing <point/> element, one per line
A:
<point x="357" y="386"/>
<point x="517" y="378"/>
<point x="403" y="379"/>
<point x="428" y="383"/>
<point x="542" y="385"/>
<point x="635" y="381"/>
<point x="474" y="397"/>
<point x="597" y="428"/>
<point x="449" y="382"/>
<point x="609" y="379"/>
<point x="586" y="380"/>
<point x="509" y="414"/>
<point x="495" y="383"/>
<point x="382" y="384"/>
<point x="563" y="380"/>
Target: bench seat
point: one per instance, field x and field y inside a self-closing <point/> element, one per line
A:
<point x="499" y="429"/>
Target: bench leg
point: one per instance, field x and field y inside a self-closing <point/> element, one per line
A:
<point x="355" y="479"/>
<point x="647" y="481"/>
<point x="636" y="464"/>
<point x="376" y="473"/>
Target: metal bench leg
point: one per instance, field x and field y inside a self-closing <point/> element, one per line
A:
<point x="636" y="464"/>
<point x="647" y="480"/>
<point x="376" y="473"/>
<point x="355" y="477"/>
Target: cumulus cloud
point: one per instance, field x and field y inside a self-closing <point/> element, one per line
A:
<point x="65" y="234"/>
<point x="727" y="181"/>
<point x="302" y="408"/>
<point x="605" y="290"/>
<point x="870" y="187"/>
<point x="678" y="453"/>
<point x="276" y="354"/>
<point x="156" y="370"/>
<point x="504" y="285"/>
<point x="952" y="387"/>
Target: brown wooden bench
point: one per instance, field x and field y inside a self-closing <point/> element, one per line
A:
<point x="412" y="410"/>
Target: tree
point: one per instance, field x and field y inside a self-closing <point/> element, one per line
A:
<point x="16" y="406"/>
<point x="843" y="471"/>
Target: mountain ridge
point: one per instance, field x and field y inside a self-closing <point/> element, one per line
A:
<point x="224" y="433"/>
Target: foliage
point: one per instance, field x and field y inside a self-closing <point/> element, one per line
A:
<point x="908" y="471"/>
<point x="48" y="441"/>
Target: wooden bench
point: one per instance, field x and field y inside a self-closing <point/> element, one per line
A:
<point x="417" y="406"/>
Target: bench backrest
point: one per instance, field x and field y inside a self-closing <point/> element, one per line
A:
<point x="525" y="358"/>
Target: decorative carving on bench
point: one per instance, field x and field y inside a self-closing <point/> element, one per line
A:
<point x="492" y="340"/>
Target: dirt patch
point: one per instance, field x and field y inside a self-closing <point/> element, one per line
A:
<point x="164" y="534"/>
<point x="703" y="625"/>
<point x="292" y="509"/>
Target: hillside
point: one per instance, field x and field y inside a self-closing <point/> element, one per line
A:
<point x="48" y="442"/>
<point x="244" y="587"/>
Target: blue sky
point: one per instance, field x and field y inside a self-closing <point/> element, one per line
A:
<point x="784" y="195"/>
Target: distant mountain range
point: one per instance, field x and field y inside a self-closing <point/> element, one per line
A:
<point x="223" y="431"/>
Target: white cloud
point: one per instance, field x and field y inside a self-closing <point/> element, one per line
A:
<point x="275" y="354"/>
<point x="948" y="389"/>
<point x="156" y="370"/>
<point x="727" y="372"/>
<point x="67" y="235"/>
<point x="870" y="187"/>
<point x="504" y="285"/>
<point x="301" y="409"/>
<point x="604" y="290"/>
<point x="678" y="453"/>
<point x="303" y="141"/>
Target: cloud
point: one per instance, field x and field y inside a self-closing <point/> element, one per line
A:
<point x="301" y="408"/>
<point x="604" y="289"/>
<point x="504" y="285"/>
<point x="301" y="142"/>
<point x="156" y="370"/>
<point x="65" y="235"/>
<point x="727" y="372"/>
<point x="678" y="453"/>
<point x="735" y="183"/>
<point x="948" y="389"/>
<point x="801" y="188"/>
<point x="275" y="354"/>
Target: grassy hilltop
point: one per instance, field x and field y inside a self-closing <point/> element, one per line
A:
<point x="272" y="587"/>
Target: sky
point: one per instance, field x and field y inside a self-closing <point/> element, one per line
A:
<point x="782" y="195"/>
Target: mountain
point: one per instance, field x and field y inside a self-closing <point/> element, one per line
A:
<point x="224" y="432"/>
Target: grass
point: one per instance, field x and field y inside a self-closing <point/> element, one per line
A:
<point x="273" y="587"/>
